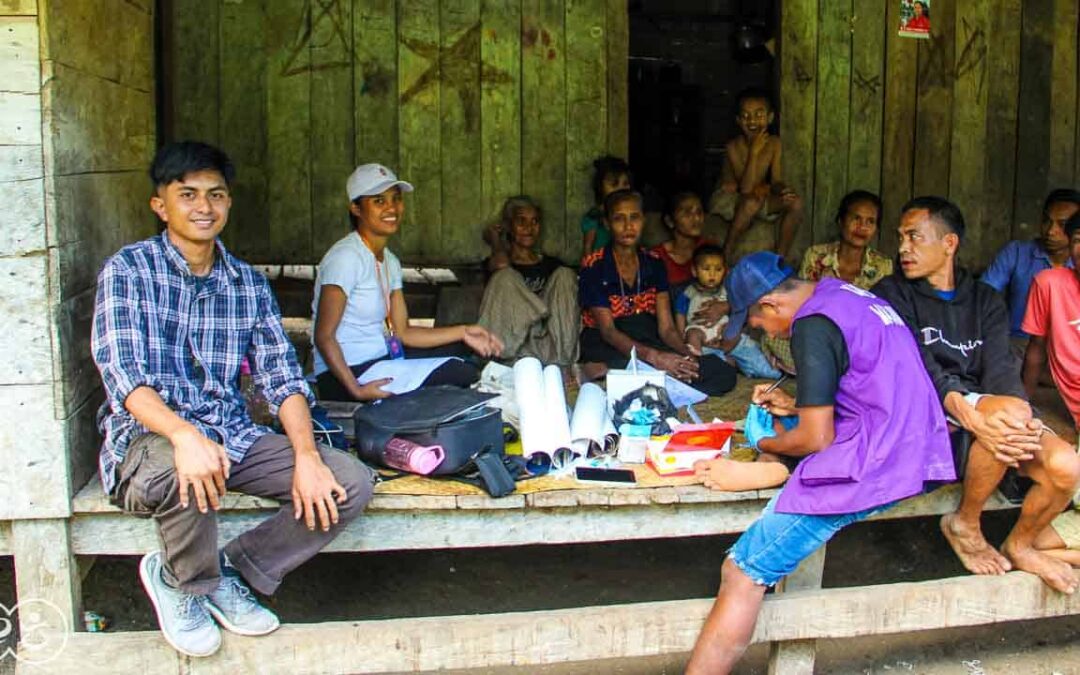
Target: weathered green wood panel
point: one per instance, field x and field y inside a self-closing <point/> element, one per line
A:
<point x="1032" y="168"/>
<point x="242" y="121"/>
<point x="330" y="58"/>
<point x="459" y="103"/>
<point x="937" y="59"/>
<point x="543" y="117"/>
<point x="898" y="154"/>
<point x="420" y="135"/>
<point x="798" y="101"/>
<point x="1063" y="95"/>
<point x="867" y="96"/>
<point x="586" y="108"/>
<point x="1003" y="80"/>
<point x="833" y="114"/>
<point x="375" y="88"/>
<point x="967" y="166"/>
<point x="195" y="72"/>
<point x="618" y="78"/>
<point x="500" y="104"/>
<point x="288" y="118"/>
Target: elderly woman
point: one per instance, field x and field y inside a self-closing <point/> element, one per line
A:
<point x="530" y="301"/>
<point x="625" y="305"/>
<point x="851" y="258"/>
<point x="359" y="309"/>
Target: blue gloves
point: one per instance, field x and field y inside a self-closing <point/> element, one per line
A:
<point x="759" y="424"/>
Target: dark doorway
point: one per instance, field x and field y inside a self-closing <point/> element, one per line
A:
<point x="689" y="59"/>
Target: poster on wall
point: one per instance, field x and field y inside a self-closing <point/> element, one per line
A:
<point x="915" y="18"/>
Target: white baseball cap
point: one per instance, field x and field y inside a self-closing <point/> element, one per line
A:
<point x="373" y="179"/>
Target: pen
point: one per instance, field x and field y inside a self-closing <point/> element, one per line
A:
<point x="774" y="385"/>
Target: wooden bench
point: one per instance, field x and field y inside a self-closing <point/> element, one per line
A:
<point x="791" y="619"/>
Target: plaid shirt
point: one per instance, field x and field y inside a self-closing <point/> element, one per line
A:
<point x="158" y="325"/>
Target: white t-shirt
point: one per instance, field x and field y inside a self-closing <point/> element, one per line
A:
<point x="351" y="266"/>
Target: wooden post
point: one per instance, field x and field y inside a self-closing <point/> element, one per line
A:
<point x="46" y="577"/>
<point x="796" y="657"/>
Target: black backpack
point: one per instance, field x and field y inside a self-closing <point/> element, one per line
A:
<point x="469" y="431"/>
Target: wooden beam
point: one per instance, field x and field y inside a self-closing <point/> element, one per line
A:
<point x="618" y="78"/>
<point x="446" y="526"/>
<point x="586" y="111"/>
<point x="833" y="117"/>
<point x="1002" y="109"/>
<point x="6" y="547"/>
<point x="288" y="129"/>
<point x="898" y="144"/>
<point x="45" y="574"/>
<point x="120" y="534"/>
<point x="543" y="120"/>
<point x="419" y="71"/>
<point x="968" y="149"/>
<point x="867" y="96"/>
<point x="933" y="121"/>
<point x="796" y="657"/>
<point x="242" y="124"/>
<point x="558" y="636"/>
<point x="1035" y="116"/>
<point x="461" y="149"/>
<point x="798" y="105"/>
<point x="500" y="105"/>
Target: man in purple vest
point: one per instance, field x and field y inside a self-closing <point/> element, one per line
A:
<point x="963" y="332"/>
<point x="870" y="433"/>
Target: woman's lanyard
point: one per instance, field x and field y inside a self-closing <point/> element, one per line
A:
<point x="382" y="274"/>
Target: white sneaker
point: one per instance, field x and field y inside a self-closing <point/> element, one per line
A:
<point x="237" y="610"/>
<point x="183" y="617"/>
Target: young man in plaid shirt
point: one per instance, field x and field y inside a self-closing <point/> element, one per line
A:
<point x="175" y="316"/>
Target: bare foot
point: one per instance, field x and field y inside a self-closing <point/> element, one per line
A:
<point x="728" y="475"/>
<point x="978" y="556"/>
<point x="1055" y="573"/>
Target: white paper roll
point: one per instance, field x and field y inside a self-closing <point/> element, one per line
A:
<point x="590" y="421"/>
<point x="531" y="404"/>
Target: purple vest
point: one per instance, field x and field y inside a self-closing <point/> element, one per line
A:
<point x="891" y="435"/>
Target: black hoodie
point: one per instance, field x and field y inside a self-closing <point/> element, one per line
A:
<point x="964" y="341"/>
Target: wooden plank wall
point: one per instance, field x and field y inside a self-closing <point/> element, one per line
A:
<point x="76" y="134"/>
<point x="985" y="112"/>
<point x="470" y="100"/>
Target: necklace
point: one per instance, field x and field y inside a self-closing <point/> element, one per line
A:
<point x="619" y="273"/>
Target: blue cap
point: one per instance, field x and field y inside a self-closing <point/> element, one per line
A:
<point x="748" y="281"/>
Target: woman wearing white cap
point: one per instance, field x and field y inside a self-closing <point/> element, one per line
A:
<point x="359" y="309"/>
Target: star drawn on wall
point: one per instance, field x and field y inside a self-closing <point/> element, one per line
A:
<point x="455" y="65"/>
<point x="330" y="15"/>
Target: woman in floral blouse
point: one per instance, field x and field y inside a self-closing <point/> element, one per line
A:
<point x="851" y="258"/>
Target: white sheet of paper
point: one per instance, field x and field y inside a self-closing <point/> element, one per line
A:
<point x="408" y="374"/>
<point x="679" y="392"/>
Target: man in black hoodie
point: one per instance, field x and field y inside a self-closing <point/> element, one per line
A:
<point x="962" y="328"/>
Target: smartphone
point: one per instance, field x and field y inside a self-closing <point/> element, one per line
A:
<point x="616" y="477"/>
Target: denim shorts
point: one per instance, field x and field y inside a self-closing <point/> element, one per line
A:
<point x="776" y="543"/>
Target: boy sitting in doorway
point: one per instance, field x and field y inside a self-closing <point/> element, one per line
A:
<point x="750" y="181"/>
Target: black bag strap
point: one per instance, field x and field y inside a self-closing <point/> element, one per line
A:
<point x="491" y="471"/>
